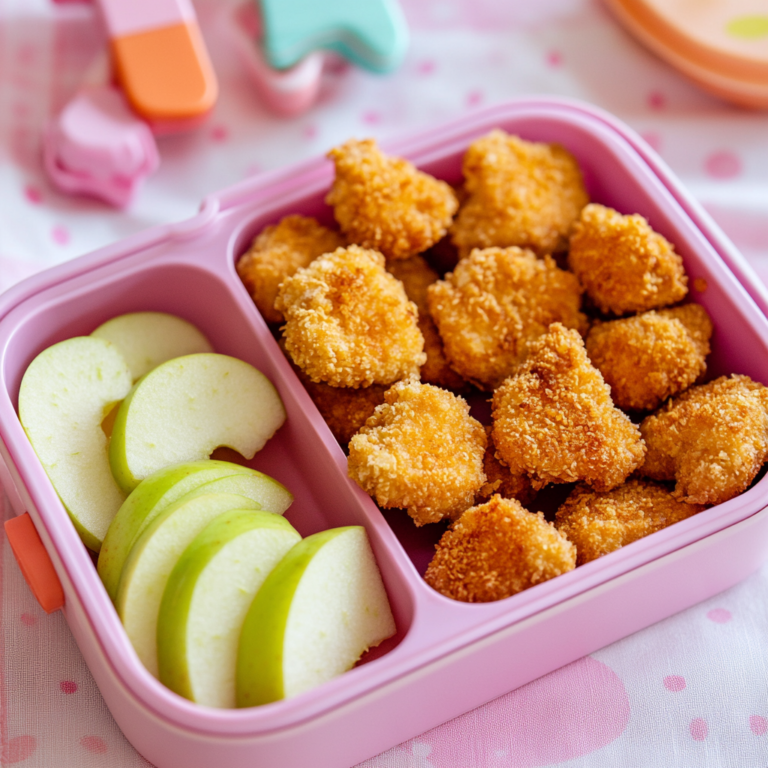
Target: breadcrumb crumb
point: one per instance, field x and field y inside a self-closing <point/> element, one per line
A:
<point x="712" y="439"/>
<point x="416" y="276"/>
<point x="385" y="203"/>
<point x="496" y="550"/>
<point x="599" y="523"/>
<point x="495" y="303"/>
<point x="555" y="421"/>
<point x="422" y="451"/>
<point x="518" y="193"/>
<point x="649" y="357"/>
<point x="349" y="322"/>
<point x="623" y="264"/>
<point x="277" y="252"/>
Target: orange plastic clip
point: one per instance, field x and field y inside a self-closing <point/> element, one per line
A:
<point x="36" y="566"/>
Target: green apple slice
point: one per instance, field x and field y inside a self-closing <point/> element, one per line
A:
<point x="318" y="611"/>
<point x="170" y="484"/>
<point x="206" y="599"/>
<point x="186" y="408"/>
<point x="147" y="339"/>
<point x="154" y="556"/>
<point x="65" y="394"/>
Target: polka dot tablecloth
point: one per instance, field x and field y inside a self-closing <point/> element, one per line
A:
<point x="689" y="692"/>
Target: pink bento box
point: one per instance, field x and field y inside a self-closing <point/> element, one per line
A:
<point x="447" y="657"/>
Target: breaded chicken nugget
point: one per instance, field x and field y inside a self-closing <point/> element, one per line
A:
<point x="599" y="523"/>
<point x="712" y="439"/>
<point x="623" y="264"/>
<point x="349" y="322"/>
<point x="647" y="358"/>
<point x="277" y="252"/>
<point x="416" y="276"/>
<point x="518" y="193"/>
<point x="554" y="419"/>
<point x="422" y="451"/>
<point x="500" y="480"/>
<point x="496" y="550"/>
<point x="385" y="203"/>
<point x="495" y="304"/>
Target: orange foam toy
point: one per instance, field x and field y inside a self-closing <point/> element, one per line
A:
<point x="720" y="44"/>
<point x="35" y="564"/>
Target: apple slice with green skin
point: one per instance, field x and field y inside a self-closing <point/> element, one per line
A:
<point x="170" y="484"/>
<point x="319" y="610"/>
<point x="154" y="556"/>
<point x="147" y="339"/>
<point x="186" y="408"/>
<point x="206" y="599"/>
<point x="65" y="394"/>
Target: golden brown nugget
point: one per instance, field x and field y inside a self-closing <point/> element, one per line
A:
<point x="496" y="550"/>
<point x="277" y="252"/>
<point x="495" y="303"/>
<point x="416" y="276"/>
<point x="421" y="451"/>
<point x="518" y="193"/>
<point x="348" y="322"/>
<point x="623" y="264"/>
<point x="649" y="357"/>
<point x="712" y="439"/>
<point x="599" y="523"/>
<point x="500" y="480"/>
<point x="385" y="203"/>
<point x="555" y="421"/>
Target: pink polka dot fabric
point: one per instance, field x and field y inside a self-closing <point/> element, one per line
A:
<point x="689" y="692"/>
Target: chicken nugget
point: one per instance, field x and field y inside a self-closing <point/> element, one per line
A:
<point x="496" y="550"/>
<point x="555" y="421"/>
<point x="518" y="193"/>
<point x="500" y="480"/>
<point x="599" y="523"/>
<point x="348" y="322"/>
<point x="385" y="203"/>
<point x="422" y="451"/>
<point x="495" y="303"/>
<point x="416" y="276"/>
<point x="277" y="252"/>
<point x="712" y="439"/>
<point x="623" y="264"/>
<point x="647" y="358"/>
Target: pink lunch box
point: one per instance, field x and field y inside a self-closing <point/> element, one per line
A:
<point x="447" y="657"/>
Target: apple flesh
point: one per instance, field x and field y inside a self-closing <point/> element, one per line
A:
<point x="186" y="408"/>
<point x="318" y="611"/>
<point x="170" y="484"/>
<point x="206" y="599"/>
<point x="65" y="394"/>
<point x="154" y="556"/>
<point x="147" y="339"/>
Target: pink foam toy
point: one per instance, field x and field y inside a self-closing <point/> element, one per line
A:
<point x="287" y="92"/>
<point x="98" y="146"/>
<point x="447" y="657"/>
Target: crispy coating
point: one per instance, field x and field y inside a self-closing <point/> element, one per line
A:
<point x="623" y="264"/>
<point x="277" y="252"/>
<point x="349" y="322"/>
<point x="649" y="357"/>
<point x="599" y="523"/>
<point x="422" y="451"/>
<point x="518" y="193"/>
<point x="554" y="419"/>
<point x="496" y="550"/>
<point x="495" y="304"/>
<point x="712" y="439"/>
<point x="416" y="276"/>
<point x="385" y="203"/>
<point x="500" y="480"/>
